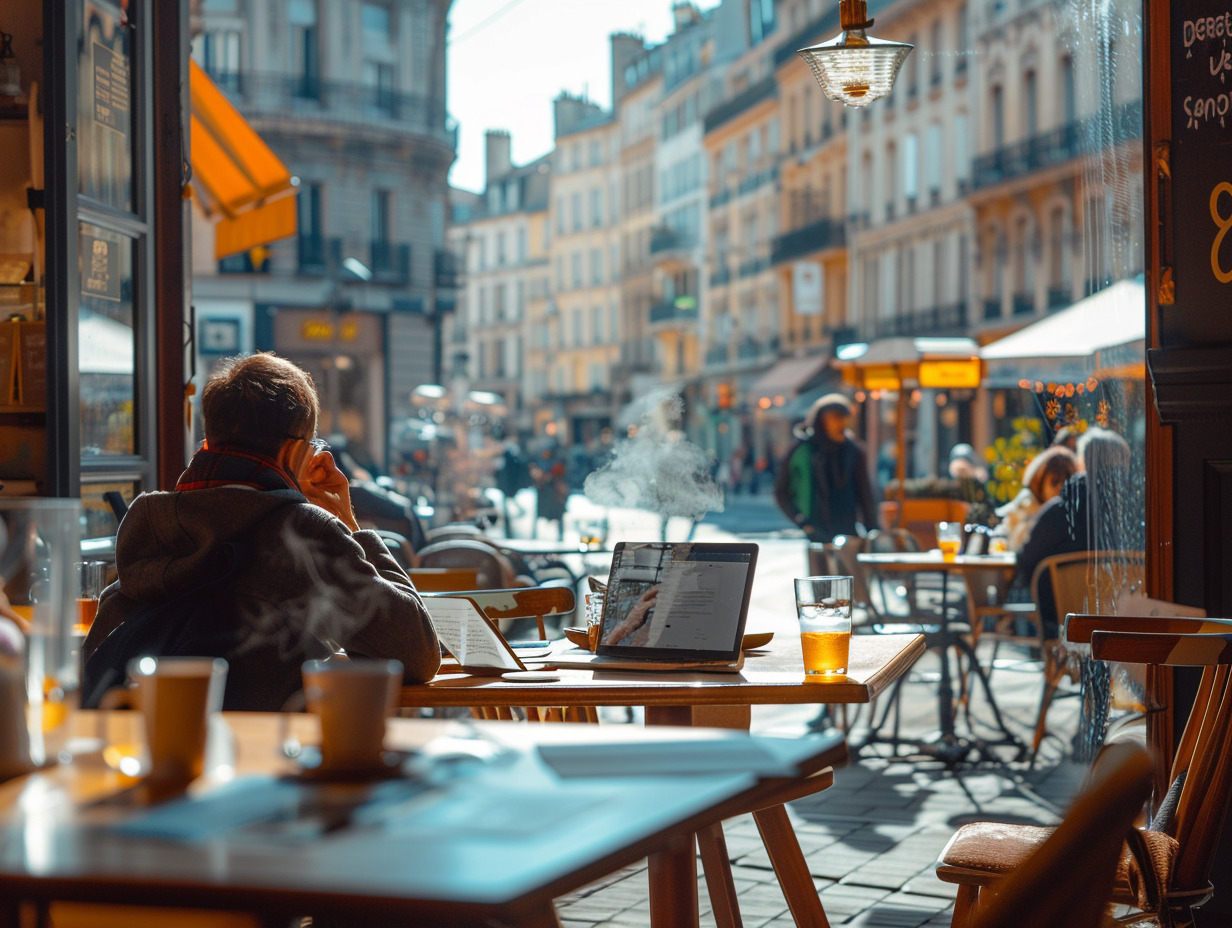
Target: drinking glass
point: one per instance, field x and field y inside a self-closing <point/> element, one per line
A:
<point x="949" y="540"/>
<point x="92" y="576"/>
<point x="40" y="542"/>
<point x="823" y="605"/>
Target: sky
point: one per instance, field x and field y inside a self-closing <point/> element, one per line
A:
<point x="508" y="59"/>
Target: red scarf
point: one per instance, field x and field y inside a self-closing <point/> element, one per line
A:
<point x="228" y="465"/>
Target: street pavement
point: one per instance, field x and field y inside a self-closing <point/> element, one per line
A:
<point x="871" y="840"/>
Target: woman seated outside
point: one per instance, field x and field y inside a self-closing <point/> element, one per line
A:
<point x="1042" y="481"/>
<point x="1096" y="509"/>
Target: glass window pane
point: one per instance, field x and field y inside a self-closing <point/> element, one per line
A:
<point x="99" y="520"/>
<point x="104" y="106"/>
<point x="106" y="352"/>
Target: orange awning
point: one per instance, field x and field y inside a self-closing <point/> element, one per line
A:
<point x="236" y="177"/>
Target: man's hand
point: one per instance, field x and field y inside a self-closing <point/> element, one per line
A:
<point x="325" y="486"/>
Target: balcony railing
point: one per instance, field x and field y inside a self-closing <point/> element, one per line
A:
<point x="816" y="236"/>
<point x="1024" y="304"/>
<point x="290" y="96"/>
<point x="753" y="267"/>
<point x="721" y="198"/>
<point x="746" y="99"/>
<point x="820" y="28"/>
<point x="445" y="270"/>
<point x="670" y="312"/>
<point x="310" y="254"/>
<point x="717" y="356"/>
<point x="936" y="320"/>
<point x="1057" y="146"/>
<point x="992" y="308"/>
<point x="662" y="240"/>
<point x="1059" y="297"/>
<point x="753" y="181"/>
<point x="721" y="277"/>
<point x="390" y="262"/>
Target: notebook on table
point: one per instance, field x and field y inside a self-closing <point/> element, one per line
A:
<point x="672" y="606"/>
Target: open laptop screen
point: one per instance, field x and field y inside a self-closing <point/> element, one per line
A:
<point x="682" y="600"/>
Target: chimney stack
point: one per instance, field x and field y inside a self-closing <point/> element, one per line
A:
<point x="498" y="160"/>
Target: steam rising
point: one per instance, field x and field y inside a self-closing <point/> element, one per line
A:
<point x="657" y="469"/>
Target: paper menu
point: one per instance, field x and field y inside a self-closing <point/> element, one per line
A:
<point x="467" y="635"/>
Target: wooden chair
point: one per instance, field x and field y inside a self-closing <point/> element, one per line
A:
<point x="920" y="517"/>
<point x="494" y="571"/>
<point x="1200" y="782"/>
<point x="1082" y="581"/>
<point x="1069" y="879"/>
<point x="444" y="579"/>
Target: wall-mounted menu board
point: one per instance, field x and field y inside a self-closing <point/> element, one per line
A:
<point x="1201" y="254"/>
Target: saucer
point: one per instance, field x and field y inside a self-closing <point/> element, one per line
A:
<point x="308" y="762"/>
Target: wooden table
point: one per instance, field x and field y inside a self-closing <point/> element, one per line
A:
<point x="492" y="848"/>
<point x="773" y="675"/>
<point x="997" y="567"/>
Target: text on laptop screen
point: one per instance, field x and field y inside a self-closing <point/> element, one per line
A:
<point x="674" y="596"/>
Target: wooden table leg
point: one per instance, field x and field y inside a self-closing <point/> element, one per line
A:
<point x="543" y="915"/>
<point x="790" y="867"/>
<point x="673" y="885"/>
<point x="716" y="864"/>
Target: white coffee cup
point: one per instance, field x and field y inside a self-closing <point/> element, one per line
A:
<point x="352" y="699"/>
<point x="177" y="696"/>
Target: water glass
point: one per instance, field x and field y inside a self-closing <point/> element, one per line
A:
<point x="92" y="577"/>
<point x="594" y="618"/>
<point x="823" y="605"/>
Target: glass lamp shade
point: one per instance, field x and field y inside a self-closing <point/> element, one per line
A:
<point x="856" y="70"/>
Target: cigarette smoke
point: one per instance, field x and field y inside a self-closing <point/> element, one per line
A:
<point x="658" y="469"/>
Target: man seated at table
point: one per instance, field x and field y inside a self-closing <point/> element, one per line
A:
<point x="261" y="523"/>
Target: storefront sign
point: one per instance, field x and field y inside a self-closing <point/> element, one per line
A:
<point x="938" y="374"/>
<point x="100" y="268"/>
<point x="320" y="331"/>
<point x="112" y="91"/>
<point x="1201" y="165"/>
<point x="808" y="280"/>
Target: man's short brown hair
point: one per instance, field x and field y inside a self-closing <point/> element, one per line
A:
<point x="258" y="402"/>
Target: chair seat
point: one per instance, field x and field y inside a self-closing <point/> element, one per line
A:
<point x="984" y="852"/>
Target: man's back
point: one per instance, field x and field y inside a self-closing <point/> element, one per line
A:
<point x="302" y="581"/>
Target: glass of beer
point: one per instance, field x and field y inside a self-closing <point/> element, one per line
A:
<point x="93" y="577"/>
<point x="949" y="540"/>
<point x="823" y="605"/>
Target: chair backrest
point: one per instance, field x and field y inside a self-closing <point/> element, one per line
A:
<point x="444" y="579"/>
<point x="399" y="546"/>
<point x="1069" y="880"/>
<point x="525" y="602"/>
<point x="920" y="516"/>
<point x="1090" y="581"/>
<point x="493" y="571"/>
<point x="1202" y="754"/>
<point x="453" y="532"/>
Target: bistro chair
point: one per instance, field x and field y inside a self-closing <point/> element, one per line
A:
<point x="1168" y="872"/>
<point x="1081" y="581"/>
<point x="1069" y="879"/>
<point x="494" y="570"/>
<point x="399" y="547"/>
<point x="444" y="579"/>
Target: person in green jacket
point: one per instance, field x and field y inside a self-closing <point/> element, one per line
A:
<point x="823" y="484"/>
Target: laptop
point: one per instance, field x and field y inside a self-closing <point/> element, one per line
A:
<point x="672" y="606"/>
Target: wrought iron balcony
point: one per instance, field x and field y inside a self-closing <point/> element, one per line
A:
<point x="935" y="320"/>
<point x="1024" y="304"/>
<point x="992" y="307"/>
<point x="1059" y="297"/>
<point x="721" y="277"/>
<point x="310" y="254"/>
<point x="672" y="312"/>
<point x="816" y="236"/>
<point x="665" y="240"/>
<point x="272" y="96"/>
<point x="445" y="269"/>
<point x="729" y="109"/>
<point x="391" y="263"/>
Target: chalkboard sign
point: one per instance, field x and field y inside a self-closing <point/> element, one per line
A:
<point x="1201" y="166"/>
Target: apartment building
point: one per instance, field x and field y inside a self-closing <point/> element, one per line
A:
<point x="637" y="86"/>
<point x="584" y="313"/>
<point x="506" y="267"/>
<point x="678" y="242"/>
<point x="351" y="96"/>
